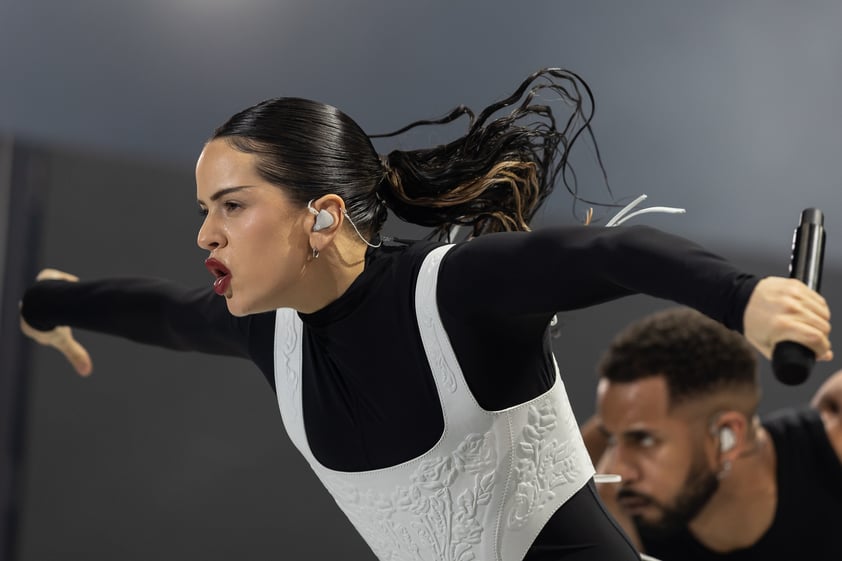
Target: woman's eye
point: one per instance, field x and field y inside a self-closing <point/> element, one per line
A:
<point x="231" y="206"/>
<point x="203" y="212"/>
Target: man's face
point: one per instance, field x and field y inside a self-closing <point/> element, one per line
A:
<point x="660" y="454"/>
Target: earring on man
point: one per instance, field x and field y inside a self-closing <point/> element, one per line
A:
<point x="315" y="253"/>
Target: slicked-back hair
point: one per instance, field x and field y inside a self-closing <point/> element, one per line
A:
<point x="696" y="355"/>
<point x="311" y="149"/>
<point x="493" y="178"/>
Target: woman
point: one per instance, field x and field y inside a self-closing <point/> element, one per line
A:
<point x="417" y="378"/>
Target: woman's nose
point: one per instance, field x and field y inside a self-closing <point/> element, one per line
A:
<point x="210" y="236"/>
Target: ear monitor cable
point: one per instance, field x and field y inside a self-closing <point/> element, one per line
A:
<point x="624" y="215"/>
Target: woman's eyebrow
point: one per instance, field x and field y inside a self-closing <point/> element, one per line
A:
<point x="222" y="192"/>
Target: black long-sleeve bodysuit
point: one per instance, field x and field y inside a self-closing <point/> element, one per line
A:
<point x="496" y="295"/>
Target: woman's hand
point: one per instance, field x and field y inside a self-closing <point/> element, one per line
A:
<point x="782" y="309"/>
<point x="60" y="337"/>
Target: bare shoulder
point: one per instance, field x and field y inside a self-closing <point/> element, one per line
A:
<point x="828" y="400"/>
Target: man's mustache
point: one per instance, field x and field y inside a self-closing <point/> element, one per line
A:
<point x="625" y="493"/>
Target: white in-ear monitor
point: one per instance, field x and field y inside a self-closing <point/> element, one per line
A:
<point x="324" y="219"/>
<point x="726" y="439"/>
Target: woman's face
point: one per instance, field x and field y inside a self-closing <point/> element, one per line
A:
<point x="257" y="238"/>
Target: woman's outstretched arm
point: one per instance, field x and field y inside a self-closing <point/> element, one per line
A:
<point x="531" y="275"/>
<point x="148" y="311"/>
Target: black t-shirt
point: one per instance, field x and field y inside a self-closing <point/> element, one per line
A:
<point x="808" y="517"/>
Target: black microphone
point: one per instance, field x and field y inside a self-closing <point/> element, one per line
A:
<point x="792" y="362"/>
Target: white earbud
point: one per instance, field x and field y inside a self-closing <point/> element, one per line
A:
<point x="726" y="439"/>
<point x="324" y="219"/>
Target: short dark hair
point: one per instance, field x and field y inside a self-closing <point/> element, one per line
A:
<point x="696" y="355"/>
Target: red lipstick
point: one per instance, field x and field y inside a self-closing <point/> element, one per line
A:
<point x="222" y="274"/>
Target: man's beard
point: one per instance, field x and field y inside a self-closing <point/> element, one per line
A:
<point x="699" y="486"/>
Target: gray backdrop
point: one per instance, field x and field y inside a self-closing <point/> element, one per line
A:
<point x="727" y="109"/>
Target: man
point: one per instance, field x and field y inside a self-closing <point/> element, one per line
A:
<point x="702" y="476"/>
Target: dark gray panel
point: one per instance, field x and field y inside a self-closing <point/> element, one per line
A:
<point x="22" y="195"/>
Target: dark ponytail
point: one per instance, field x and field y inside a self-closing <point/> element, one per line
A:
<point x="496" y="176"/>
<point x="492" y="179"/>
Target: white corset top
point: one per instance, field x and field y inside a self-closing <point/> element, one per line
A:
<point x="487" y="487"/>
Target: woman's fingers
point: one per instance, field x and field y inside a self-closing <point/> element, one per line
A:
<point x="61" y="338"/>
<point x="782" y="309"/>
<point x="76" y="354"/>
<point x="55" y="274"/>
<point x="811" y="322"/>
<point x="810" y="334"/>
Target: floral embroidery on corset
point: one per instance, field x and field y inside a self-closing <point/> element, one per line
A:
<point x="438" y="517"/>
<point x="542" y="464"/>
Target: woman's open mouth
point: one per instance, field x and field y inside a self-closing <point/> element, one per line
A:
<point x="222" y="274"/>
